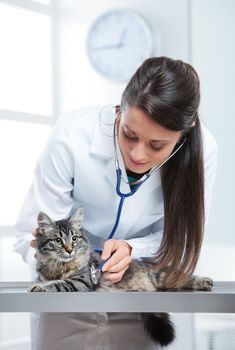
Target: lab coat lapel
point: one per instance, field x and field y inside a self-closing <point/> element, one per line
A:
<point x="141" y="209"/>
<point x="144" y="205"/>
<point x="142" y="198"/>
<point x="102" y="145"/>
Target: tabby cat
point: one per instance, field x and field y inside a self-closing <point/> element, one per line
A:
<point x="65" y="260"/>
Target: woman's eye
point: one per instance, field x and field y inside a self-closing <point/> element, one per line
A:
<point x="75" y="239"/>
<point x="129" y="137"/>
<point x="135" y="138"/>
<point x="58" y="240"/>
<point x="156" y="149"/>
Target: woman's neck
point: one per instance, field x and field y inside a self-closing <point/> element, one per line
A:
<point x="135" y="175"/>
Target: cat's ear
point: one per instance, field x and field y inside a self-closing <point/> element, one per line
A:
<point x="44" y="220"/>
<point x="77" y="217"/>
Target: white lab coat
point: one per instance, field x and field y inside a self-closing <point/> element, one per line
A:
<point x="77" y="168"/>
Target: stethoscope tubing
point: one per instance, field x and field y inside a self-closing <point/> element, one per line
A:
<point x="122" y="195"/>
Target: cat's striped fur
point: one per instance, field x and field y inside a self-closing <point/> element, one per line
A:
<point x="64" y="261"/>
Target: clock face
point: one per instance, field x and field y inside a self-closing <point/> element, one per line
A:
<point x="118" y="43"/>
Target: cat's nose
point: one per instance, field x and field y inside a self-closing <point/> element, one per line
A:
<point x="68" y="249"/>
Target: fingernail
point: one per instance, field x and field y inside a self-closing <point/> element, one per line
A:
<point x="103" y="266"/>
<point x="103" y="269"/>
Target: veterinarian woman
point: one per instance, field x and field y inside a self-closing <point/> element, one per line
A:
<point x="164" y="219"/>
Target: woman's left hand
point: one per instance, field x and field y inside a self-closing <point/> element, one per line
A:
<point x="120" y="260"/>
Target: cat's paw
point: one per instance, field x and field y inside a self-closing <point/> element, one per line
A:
<point x="38" y="288"/>
<point x="207" y="283"/>
<point x="204" y="283"/>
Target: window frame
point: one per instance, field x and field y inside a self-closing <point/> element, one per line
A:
<point x="52" y="11"/>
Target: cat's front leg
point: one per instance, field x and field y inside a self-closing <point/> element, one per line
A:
<point x="66" y="285"/>
<point x="37" y="288"/>
<point x="199" y="283"/>
<point x="52" y="286"/>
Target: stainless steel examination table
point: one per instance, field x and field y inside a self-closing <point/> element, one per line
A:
<point x="15" y="298"/>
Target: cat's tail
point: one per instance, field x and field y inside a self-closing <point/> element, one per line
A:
<point x="159" y="327"/>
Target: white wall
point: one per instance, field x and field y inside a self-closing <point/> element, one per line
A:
<point x="213" y="55"/>
<point x="80" y="84"/>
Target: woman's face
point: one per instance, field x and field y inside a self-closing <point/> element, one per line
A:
<point x="142" y="141"/>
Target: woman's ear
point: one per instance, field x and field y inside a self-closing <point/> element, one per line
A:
<point x="118" y="109"/>
<point x="118" y="113"/>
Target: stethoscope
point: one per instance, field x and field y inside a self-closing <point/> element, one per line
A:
<point x="96" y="271"/>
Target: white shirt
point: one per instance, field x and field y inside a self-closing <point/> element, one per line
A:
<point x="77" y="169"/>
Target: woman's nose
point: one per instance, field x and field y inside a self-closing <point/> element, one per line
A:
<point x="138" y="153"/>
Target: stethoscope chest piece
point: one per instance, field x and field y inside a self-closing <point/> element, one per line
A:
<point x="95" y="274"/>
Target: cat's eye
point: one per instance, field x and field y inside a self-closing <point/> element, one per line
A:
<point x="58" y="240"/>
<point x="75" y="239"/>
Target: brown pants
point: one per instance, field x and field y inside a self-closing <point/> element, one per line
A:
<point x="89" y="331"/>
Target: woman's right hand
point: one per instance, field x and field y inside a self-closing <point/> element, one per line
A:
<point x="33" y="243"/>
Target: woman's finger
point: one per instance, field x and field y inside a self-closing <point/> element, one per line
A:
<point x="33" y="243"/>
<point x="114" y="260"/>
<point x="114" y="277"/>
<point x="121" y="251"/>
<point x="109" y="248"/>
<point x="34" y="232"/>
<point x="121" y="265"/>
<point x="111" y="245"/>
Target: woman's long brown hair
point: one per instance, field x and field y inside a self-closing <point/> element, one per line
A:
<point x="169" y="92"/>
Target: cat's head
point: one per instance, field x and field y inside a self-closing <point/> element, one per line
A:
<point x="62" y="240"/>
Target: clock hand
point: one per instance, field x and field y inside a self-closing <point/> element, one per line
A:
<point x="122" y="36"/>
<point x="113" y="46"/>
<point x="107" y="47"/>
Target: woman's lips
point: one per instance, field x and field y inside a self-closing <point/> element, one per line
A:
<point x="137" y="163"/>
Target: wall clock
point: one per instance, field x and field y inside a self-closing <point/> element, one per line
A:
<point x="118" y="42"/>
